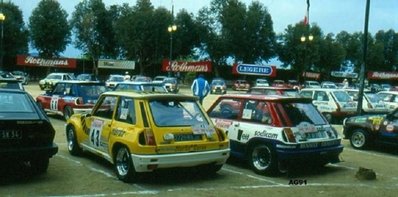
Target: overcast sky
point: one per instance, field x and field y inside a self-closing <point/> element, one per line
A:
<point x="332" y="16"/>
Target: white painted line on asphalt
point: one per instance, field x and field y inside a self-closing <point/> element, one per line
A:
<point x="69" y="159"/>
<point x="148" y="192"/>
<point x="102" y="172"/>
<point x="342" y="166"/>
<point x="370" y="153"/>
<point x="251" y="176"/>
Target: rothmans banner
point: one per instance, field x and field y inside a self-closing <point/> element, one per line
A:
<point x="24" y="60"/>
<point x="253" y="69"/>
<point x="116" y="64"/>
<point x="383" y="75"/>
<point x="176" y="66"/>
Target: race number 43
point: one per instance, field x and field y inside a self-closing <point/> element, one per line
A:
<point x="95" y="132"/>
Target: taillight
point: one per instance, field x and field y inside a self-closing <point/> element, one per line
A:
<point x="289" y="135"/>
<point x="149" y="137"/>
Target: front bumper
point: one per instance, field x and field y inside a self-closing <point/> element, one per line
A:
<point x="147" y="163"/>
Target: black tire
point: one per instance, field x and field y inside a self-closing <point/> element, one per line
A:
<point x="39" y="165"/>
<point x="72" y="144"/>
<point x="262" y="159"/>
<point x="360" y="139"/>
<point x="68" y="112"/>
<point x="124" y="166"/>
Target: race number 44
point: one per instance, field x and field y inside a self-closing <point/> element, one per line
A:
<point x="95" y="132"/>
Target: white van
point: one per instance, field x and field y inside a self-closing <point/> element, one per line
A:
<point x="334" y="104"/>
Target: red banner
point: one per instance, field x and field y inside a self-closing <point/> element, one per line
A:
<point x="383" y="75"/>
<point x="24" y="60"/>
<point x="176" y="66"/>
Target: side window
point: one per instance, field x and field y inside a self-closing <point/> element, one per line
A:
<point x="321" y="96"/>
<point x="106" y="107"/>
<point x="257" y="111"/>
<point x="249" y="110"/>
<point x="306" y="94"/>
<point x="126" y="110"/>
<point x="59" y="89"/>
<point x="226" y="108"/>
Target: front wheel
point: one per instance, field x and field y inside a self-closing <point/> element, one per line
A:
<point x="73" y="146"/>
<point x="124" y="166"/>
<point x="359" y="139"/>
<point x="263" y="159"/>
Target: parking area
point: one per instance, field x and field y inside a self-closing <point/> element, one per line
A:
<point x="89" y="176"/>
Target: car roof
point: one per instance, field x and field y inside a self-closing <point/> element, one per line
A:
<point x="150" y="95"/>
<point x="9" y="80"/>
<point x="141" y="83"/>
<point x="267" y="97"/>
<point x="12" y="90"/>
<point x="272" y="88"/>
<point x="80" y="82"/>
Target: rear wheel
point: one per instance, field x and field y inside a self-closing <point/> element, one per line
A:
<point x="124" y="166"/>
<point x="263" y="159"/>
<point x="68" y="112"/>
<point x="73" y="146"/>
<point x="359" y="139"/>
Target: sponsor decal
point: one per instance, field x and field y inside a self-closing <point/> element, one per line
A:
<point x="223" y="123"/>
<point x="383" y="75"/>
<point x="253" y="69"/>
<point x="118" y="132"/>
<point x="266" y="134"/>
<point x="311" y="75"/>
<point x="24" y="60"/>
<point x="175" y="66"/>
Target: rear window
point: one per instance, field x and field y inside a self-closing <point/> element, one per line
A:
<point x="176" y="113"/>
<point x="302" y="112"/>
<point x="15" y="103"/>
<point x="91" y="90"/>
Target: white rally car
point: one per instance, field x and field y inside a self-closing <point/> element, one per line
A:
<point x="273" y="132"/>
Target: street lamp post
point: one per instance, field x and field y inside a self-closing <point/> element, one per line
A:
<point x="2" y="18"/>
<point x="305" y="40"/>
<point x="171" y="29"/>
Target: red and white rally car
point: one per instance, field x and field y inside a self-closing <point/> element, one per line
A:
<point x="69" y="97"/>
<point x="273" y="132"/>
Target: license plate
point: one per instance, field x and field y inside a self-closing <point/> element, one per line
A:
<point x="187" y="137"/>
<point x="189" y="148"/>
<point x="10" y="134"/>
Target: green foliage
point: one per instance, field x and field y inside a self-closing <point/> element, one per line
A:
<point x="49" y="28"/>
<point x="15" y="34"/>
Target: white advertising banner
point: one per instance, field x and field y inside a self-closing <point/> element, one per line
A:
<point x="116" y="64"/>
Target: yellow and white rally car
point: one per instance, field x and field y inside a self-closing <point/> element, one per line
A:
<point x="142" y="132"/>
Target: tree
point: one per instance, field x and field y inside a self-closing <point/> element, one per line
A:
<point x="332" y="55"/>
<point x="92" y="25"/>
<point x="389" y="41"/>
<point x="15" y="40"/>
<point x="49" y="28"/>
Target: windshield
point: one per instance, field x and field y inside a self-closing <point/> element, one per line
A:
<point x="91" y="90"/>
<point x="303" y="112"/>
<point x="342" y="96"/>
<point x="218" y="82"/>
<point x="116" y="78"/>
<point x="176" y="113"/>
<point x="54" y="77"/>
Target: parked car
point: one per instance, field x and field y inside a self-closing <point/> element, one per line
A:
<point x="159" y="79"/>
<point x="284" y="91"/>
<point x="86" y="77"/>
<point x="367" y="130"/>
<point x="171" y="84"/>
<point x="26" y="134"/>
<point x="140" y="86"/>
<point x="334" y="104"/>
<point x="274" y="132"/>
<point x="261" y="82"/>
<point x="11" y="83"/>
<point x="53" y="78"/>
<point x="70" y="97"/>
<point x="6" y="75"/>
<point x="328" y="84"/>
<point x="142" y="79"/>
<point x="241" y="84"/>
<point x="218" y="86"/>
<point x="140" y="132"/>
<point x="371" y="102"/>
<point x="390" y="98"/>
<point x="21" y="76"/>
<point x="113" y="80"/>
<point x="312" y="84"/>
<point x="293" y="84"/>
<point x="386" y="86"/>
<point x="278" y="83"/>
